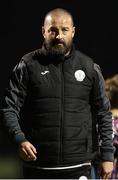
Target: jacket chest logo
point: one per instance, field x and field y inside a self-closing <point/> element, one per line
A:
<point x="44" y="72"/>
<point x="79" y="75"/>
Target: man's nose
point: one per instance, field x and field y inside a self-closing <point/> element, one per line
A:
<point x="59" y="35"/>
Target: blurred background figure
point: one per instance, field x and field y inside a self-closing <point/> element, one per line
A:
<point x="111" y="88"/>
<point x="112" y="92"/>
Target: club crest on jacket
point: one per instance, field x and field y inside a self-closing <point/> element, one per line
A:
<point x="79" y="75"/>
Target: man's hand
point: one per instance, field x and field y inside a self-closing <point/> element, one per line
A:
<point x="106" y="169"/>
<point x="27" y="151"/>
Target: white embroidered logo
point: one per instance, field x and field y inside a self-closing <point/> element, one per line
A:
<point x="44" y="72"/>
<point x="83" y="178"/>
<point x="79" y="75"/>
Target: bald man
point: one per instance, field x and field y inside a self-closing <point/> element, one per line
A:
<point x="48" y="109"/>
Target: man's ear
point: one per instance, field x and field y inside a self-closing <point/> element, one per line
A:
<point x="43" y="31"/>
<point x="73" y="32"/>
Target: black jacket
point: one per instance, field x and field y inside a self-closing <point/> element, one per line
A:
<point x="55" y="103"/>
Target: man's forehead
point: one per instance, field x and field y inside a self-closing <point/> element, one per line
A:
<point x="55" y="19"/>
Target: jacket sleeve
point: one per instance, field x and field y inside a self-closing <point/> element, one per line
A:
<point x="104" y="116"/>
<point x="14" y="99"/>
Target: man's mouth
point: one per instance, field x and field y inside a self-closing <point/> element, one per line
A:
<point x="60" y="44"/>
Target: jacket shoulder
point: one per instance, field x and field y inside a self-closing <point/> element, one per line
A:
<point x="29" y="57"/>
<point x="85" y="58"/>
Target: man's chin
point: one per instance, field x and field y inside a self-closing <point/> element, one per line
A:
<point x="58" y="51"/>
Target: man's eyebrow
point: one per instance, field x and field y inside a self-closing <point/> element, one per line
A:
<point x="54" y="27"/>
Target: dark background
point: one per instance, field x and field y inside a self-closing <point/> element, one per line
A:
<point x="20" y="25"/>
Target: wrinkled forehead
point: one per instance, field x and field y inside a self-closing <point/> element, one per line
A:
<point x="58" y="19"/>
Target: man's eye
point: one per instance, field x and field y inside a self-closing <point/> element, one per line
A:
<point x="53" y="31"/>
<point x="64" y="29"/>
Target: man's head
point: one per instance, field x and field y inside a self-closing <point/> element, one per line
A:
<point x="58" y="31"/>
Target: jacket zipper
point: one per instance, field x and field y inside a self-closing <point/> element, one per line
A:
<point x="62" y="113"/>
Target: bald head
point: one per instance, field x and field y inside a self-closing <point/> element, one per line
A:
<point x="58" y="12"/>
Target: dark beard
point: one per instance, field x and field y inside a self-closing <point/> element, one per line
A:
<point x="54" y="50"/>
